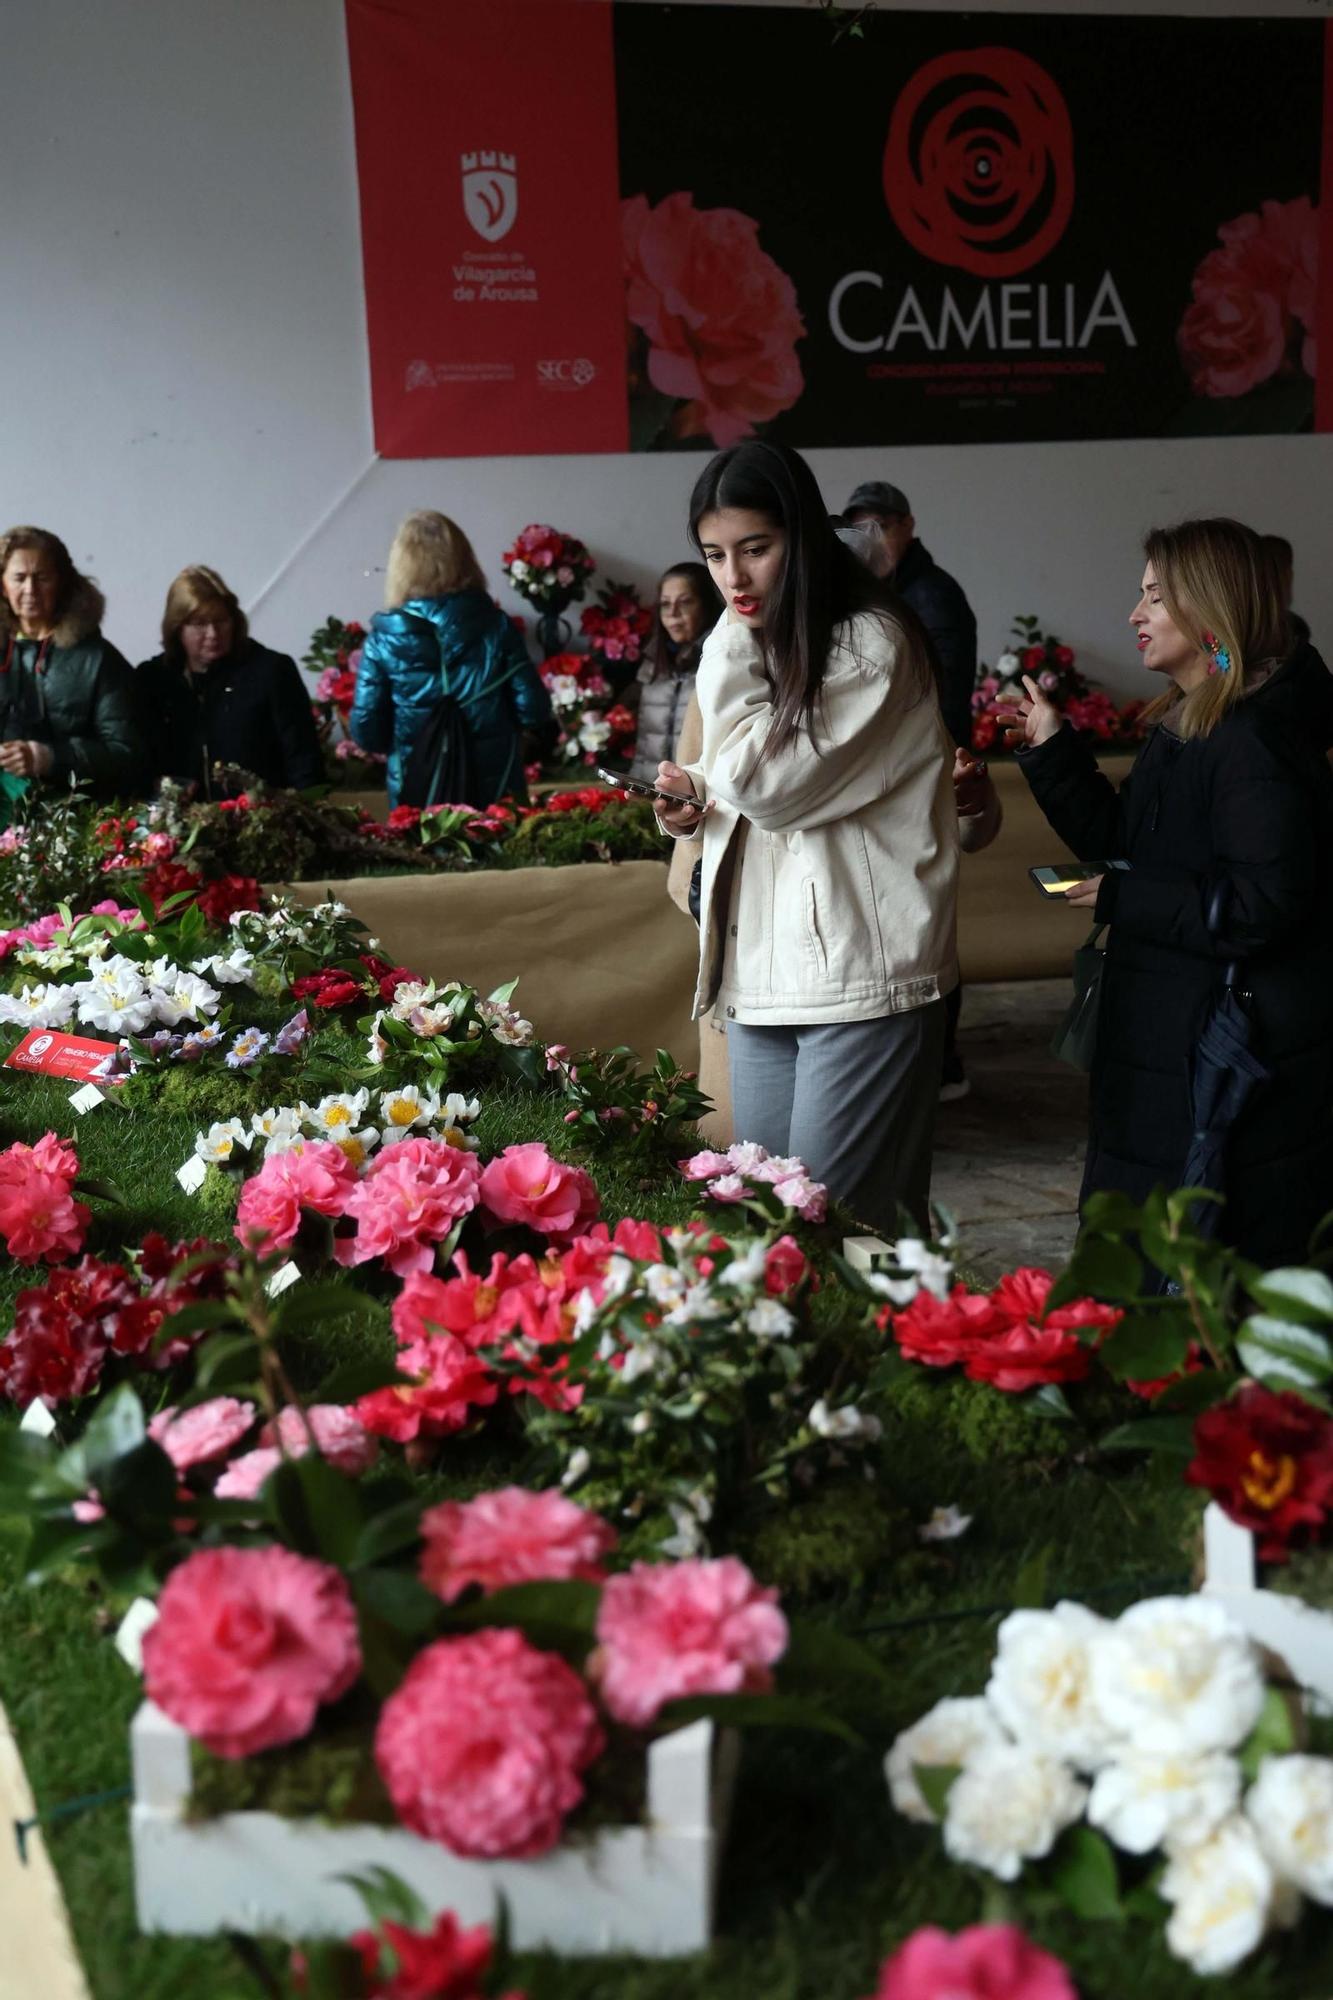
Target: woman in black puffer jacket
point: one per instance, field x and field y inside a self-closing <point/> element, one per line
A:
<point x="1226" y="821"/>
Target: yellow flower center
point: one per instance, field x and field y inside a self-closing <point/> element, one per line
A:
<point x="338" y="1115"/>
<point x="1268" y="1481"/>
<point x="352" y="1149"/>
<point x="402" y="1111"/>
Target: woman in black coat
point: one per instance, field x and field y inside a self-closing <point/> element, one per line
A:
<point x="214" y="696"/>
<point x="1226" y="821"/>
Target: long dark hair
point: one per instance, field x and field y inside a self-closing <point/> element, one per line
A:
<point x="662" y="657"/>
<point x="822" y="583"/>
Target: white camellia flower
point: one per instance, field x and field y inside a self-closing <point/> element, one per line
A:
<point x="767" y="1319"/>
<point x="356" y="1146"/>
<point x="846" y="1426"/>
<point x="1008" y="665"/>
<point x="1177" y="1677"/>
<point x="1040" y="1683"/>
<point x="664" y="1284"/>
<point x="402" y="1110"/>
<point x="949" y="1735"/>
<point x="459" y="1110"/>
<point x="115" y="999"/>
<point x="276" y="1124"/>
<point x="38" y="1006"/>
<point x="237" y="968"/>
<point x="696" y="1303"/>
<point x="220" y="1141"/>
<point x="1142" y="1801"/>
<point x="594" y="734"/>
<point x="642" y="1357"/>
<point x="1007" y="1806"/>
<point x="579" y="1462"/>
<point x="946" y="1524"/>
<point x="1223" y="1894"/>
<point x="1290" y="1807"/>
<point x="749" y="1267"/>
<point x="335" y="1115"/>
<point x="934" y="1274"/>
<point x="182" y="996"/>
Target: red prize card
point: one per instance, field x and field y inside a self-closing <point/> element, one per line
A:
<point x="48" y="1052"/>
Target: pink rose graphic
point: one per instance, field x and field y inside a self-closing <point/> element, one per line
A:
<point x="1253" y="300"/>
<point x="721" y="320"/>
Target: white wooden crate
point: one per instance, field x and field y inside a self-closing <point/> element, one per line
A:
<point x="646" y="1889"/>
<point x="1300" y="1634"/>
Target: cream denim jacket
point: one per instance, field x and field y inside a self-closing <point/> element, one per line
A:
<point x="830" y="870"/>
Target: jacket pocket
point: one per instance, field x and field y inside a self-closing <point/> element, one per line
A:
<point x="813" y="934"/>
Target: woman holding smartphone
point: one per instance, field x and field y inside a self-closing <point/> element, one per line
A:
<point x="1226" y="821"/>
<point x="823" y="800"/>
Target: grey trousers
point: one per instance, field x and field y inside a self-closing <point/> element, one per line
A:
<point x="854" y="1099"/>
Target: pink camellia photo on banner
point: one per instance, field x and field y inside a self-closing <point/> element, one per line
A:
<point x="939" y="231"/>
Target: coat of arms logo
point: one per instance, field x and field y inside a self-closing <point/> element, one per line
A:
<point x="490" y="193"/>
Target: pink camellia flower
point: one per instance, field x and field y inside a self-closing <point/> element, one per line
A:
<point x="526" y="1185"/>
<point x="39" y="1216"/>
<point x="482" y="1745"/>
<point x="676" y="1629"/>
<point x="809" y="1198"/>
<point x="244" y="1478"/>
<point x="339" y="1434"/>
<point x="721" y="319"/>
<point x="703" y="1166"/>
<point x="408" y="1201"/>
<point x="728" y="1187"/>
<point x="510" y="1536"/>
<point x="319" y="1177"/>
<point x="206" y="1431"/>
<point x="247" y="1644"/>
<point x="1247" y="298"/>
<point x="984" y="1962"/>
<point x="449" y="1382"/>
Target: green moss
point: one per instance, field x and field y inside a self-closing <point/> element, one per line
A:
<point x="329" y="1775"/>
<point x="989" y="1425"/>
<point x="1308" y="1575"/>
<point x="837" y="1539"/>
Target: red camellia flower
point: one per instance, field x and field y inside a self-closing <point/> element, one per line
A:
<point x="1022" y="1294"/>
<point x="443" y="1963"/>
<point x="1033" y="658"/>
<point x="1026" y="1357"/>
<point x="168" y="879"/>
<point x="220" y="900"/>
<point x="62" y="1332"/>
<point x="1266" y="1456"/>
<point x="784" y="1266"/>
<point x="940" y="1332"/>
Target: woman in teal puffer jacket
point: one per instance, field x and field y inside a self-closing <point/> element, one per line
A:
<point x="442" y="633"/>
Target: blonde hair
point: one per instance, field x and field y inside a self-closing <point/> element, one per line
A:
<point x="197" y="589"/>
<point x="1220" y="587"/>
<point x="430" y="557"/>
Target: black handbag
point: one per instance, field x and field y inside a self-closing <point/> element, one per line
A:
<point x="695" y="897"/>
<point x="1076" y="1037"/>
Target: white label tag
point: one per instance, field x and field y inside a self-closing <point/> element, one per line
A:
<point x="193" y="1174"/>
<point x="866" y="1253"/>
<point x="38" y="1420"/>
<point x="283" y="1279"/>
<point x="85" y="1098"/>
<point x="141" y="1615"/>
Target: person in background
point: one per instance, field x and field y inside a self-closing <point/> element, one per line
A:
<point x="68" y="712"/>
<point x="823" y="802"/>
<point x="443" y="634"/>
<point x="1283" y="557"/>
<point x="1226" y="822"/>
<point x="1302" y="688"/>
<point x="880" y="514"/>
<point x="215" y="697"/>
<point x="687" y="607"/>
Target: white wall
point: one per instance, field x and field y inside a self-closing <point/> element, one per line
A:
<point x="182" y="349"/>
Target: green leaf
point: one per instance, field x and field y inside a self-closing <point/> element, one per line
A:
<point x="1099" y="1269"/>
<point x="1030" y="1583"/>
<point x="1275" y="1350"/>
<point x="55" y="1543"/>
<point x="140" y="1487"/>
<point x="820" y="1658"/>
<point x="23" y="1460"/>
<point x="398" y="1599"/>
<point x="316" y="1510"/>
<point x="1273" y="1735"/>
<point x="1050" y="1400"/>
<point x="759" y="1711"/>
<point x="1084" y="1874"/>
<point x="1168" y="1434"/>
<point x="387" y="1896"/>
<point x="116" y="1428"/>
<point x="935" y="1782"/>
<point x="561" y="1615"/>
<point x="359" y="1378"/>
<point x="1146" y="1346"/>
<point x="390" y="1531"/>
<point x="504" y="993"/>
<point x="1296" y="1293"/>
<point x="314" y="1305"/>
<point x="100" y="1190"/>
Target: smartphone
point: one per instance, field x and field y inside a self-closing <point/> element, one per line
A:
<point x="1054" y="881"/>
<point x="644" y="790"/>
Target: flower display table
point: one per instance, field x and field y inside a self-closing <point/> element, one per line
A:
<point x="601" y="956"/>
<point x="647" y="1889"/>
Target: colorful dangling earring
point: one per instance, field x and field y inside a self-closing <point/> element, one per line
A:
<point x="1220" y="658"/>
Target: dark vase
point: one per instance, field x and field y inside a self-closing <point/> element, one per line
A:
<point x="553" y="633"/>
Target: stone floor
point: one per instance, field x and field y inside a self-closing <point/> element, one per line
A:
<point x="1009" y="1156"/>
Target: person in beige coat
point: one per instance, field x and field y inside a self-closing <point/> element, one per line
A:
<point x="823" y="802"/>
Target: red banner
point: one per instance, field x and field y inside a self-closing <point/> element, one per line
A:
<point x="490" y="225"/>
<point x="49" y="1052"/>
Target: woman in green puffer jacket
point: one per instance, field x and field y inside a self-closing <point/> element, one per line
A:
<point x="442" y="634"/>
<point x="68" y="711"/>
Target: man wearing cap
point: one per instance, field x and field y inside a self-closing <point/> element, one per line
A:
<point x="940" y="604"/>
<point x="933" y="594"/>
